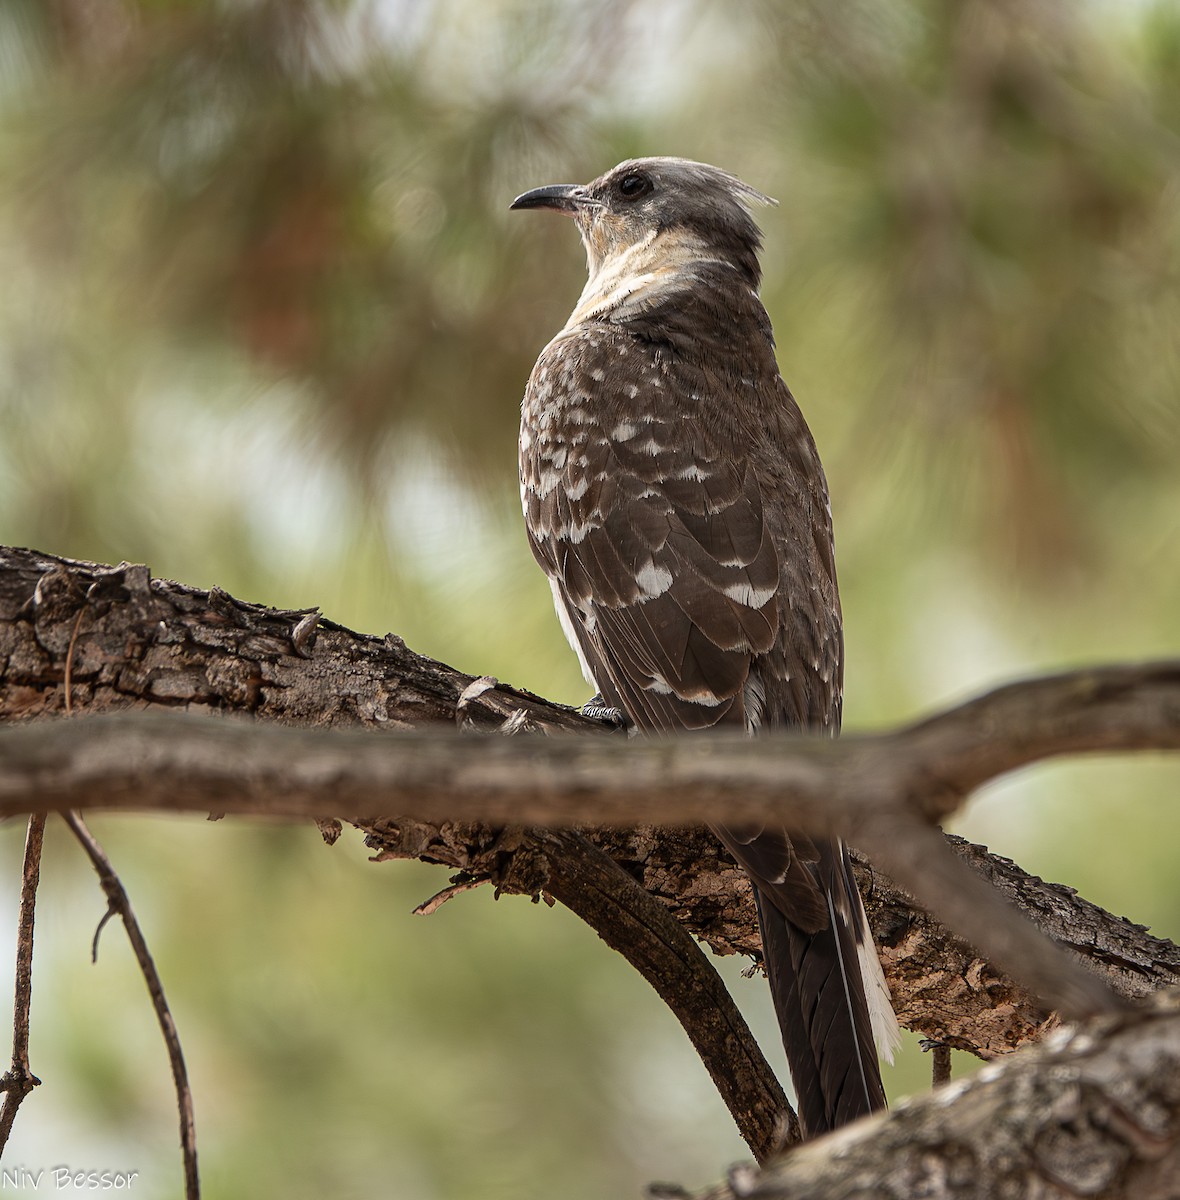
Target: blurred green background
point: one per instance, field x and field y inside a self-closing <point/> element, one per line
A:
<point x="265" y="323"/>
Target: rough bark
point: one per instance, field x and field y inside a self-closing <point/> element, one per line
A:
<point x="1095" y="1112"/>
<point x="139" y="642"/>
<point x="134" y="642"/>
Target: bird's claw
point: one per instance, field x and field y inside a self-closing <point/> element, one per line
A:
<point x="597" y="709"/>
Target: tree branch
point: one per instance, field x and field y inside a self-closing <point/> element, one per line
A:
<point x="944" y="990"/>
<point x="153" y="642"/>
<point x="858" y="786"/>
<point x="593" y="886"/>
<point x="1095" y="1112"/>
<point x="18" y="1081"/>
<point x="119" y="902"/>
<point x="941" y="986"/>
<point x="874" y="790"/>
<point x="150" y="642"/>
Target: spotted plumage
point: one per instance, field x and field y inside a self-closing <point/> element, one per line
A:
<point x="674" y="497"/>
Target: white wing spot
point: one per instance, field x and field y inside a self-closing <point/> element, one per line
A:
<point x="662" y="687"/>
<point x="577" y="490"/>
<point x="653" y="580"/>
<point x="624" y="431"/>
<point x="597" y="375"/>
<point x="750" y="596"/>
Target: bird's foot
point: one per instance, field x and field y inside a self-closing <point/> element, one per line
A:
<point x="598" y="710"/>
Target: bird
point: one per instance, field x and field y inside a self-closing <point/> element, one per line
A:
<point x="673" y="495"/>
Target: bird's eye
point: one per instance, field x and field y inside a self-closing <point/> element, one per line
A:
<point x="631" y="187"/>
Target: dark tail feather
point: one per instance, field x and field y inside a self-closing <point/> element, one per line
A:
<point x="819" y="997"/>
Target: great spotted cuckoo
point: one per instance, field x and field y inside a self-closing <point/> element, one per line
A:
<point x="674" y="497"/>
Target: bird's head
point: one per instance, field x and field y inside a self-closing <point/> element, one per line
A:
<point x="652" y="212"/>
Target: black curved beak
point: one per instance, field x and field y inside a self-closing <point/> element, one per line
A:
<point x="562" y="197"/>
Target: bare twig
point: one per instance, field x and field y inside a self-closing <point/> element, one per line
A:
<point x="565" y="866"/>
<point x="68" y="682"/>
<point x="18" y="1081"/>
<point x="429" y="907"/>
<point x="119" y="902"/>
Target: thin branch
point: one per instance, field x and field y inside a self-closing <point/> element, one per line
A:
<point x="940" y="1057"/>
<point x="944" y="990"/>
<point x="68" y="679"/>
<point x="566" y="866"/>
<point x="595" y="888"/>
<point x="1091" y="711"/>
<point x="942" y="987"/>
<point x="118" y="901"/>
<point x="19" y="1080"/>
<point x="429" y="907"/>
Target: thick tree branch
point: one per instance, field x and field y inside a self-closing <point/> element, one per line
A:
<point x="858" y="786"/>
<point x="150" y="642"/>
<point x="1096" y="1112"/>
<point x="869" y="789"/>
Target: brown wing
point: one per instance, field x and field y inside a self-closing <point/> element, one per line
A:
<point x="691" y="558"/>
<point x="664" y="553"/>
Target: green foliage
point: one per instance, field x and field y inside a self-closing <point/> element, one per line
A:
<point x="266" y="324"/>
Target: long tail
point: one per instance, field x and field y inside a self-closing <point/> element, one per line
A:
<point x="817" y="981"/>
